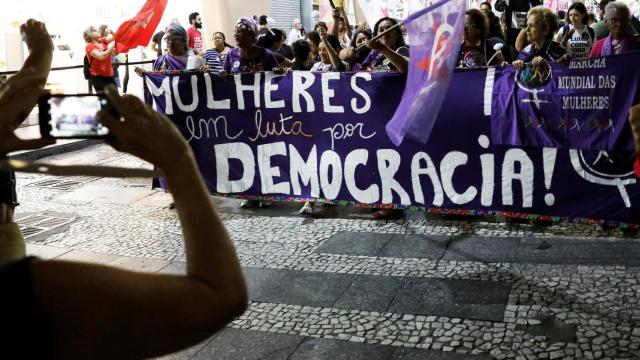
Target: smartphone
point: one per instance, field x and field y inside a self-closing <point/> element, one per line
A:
<point x="73" y="116"/>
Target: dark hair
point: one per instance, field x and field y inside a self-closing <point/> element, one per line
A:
<point x="334" y="42"/>
<point x="279" y="34"/>
<point x="101" y="29"/>
<point x="267" y="38"/>
<point x="366" y="33"/>
<point x="486" y="3"/>
<point x="579" y="7"/>
<point x="224" y="38"/>
<point x="320" y="24"/>
<point x="193" y="16"/>
<point x="603" y="3"/>
<point x="400" y="40"/>
<point x="301" y="50"/>
<point x="314" y="37"/>
<point x="591" y="16"/>
<point x="562" y="14"/>
<point x="480" y="20"/>
<point x="263" y="20"/>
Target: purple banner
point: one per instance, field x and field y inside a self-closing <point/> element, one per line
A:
<point x="583" y="105"/>
<point x="322" y="135"/>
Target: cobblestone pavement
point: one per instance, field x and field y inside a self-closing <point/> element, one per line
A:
<point x="342" y="286"/>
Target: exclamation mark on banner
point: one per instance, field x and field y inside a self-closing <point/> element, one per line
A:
<point x="549" y="164"/>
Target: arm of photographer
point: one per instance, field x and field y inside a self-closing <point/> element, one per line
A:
<point x="97" y="311"/>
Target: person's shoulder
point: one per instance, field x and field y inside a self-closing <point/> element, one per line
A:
<point x="91" y="46"/>
<point x="599" y="43"/>
<point x="267" y="53"/>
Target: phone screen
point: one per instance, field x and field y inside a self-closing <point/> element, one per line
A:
<point x="75" y="116"/>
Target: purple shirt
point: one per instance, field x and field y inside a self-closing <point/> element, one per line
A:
<point x="234" y="64"/>
<point x="551" y="51"/>
<point x="170" y="62"/>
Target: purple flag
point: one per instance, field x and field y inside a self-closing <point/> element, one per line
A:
<point x="435" y="34"/>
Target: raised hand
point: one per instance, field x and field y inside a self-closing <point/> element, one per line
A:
<point x="20" y="93"/>
<point x="35" y="35"/>
<point x="141" y="131"/>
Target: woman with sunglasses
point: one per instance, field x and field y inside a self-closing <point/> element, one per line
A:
<point x="476" y="49"/>
<point x="247" y="58"/>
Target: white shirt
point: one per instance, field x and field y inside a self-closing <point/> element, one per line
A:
<point x="294" y="35"/>
<point x="580" y="43"/>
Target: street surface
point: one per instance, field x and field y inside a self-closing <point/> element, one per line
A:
<point x="342" y="286"/>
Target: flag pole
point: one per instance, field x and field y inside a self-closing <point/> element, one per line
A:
<point x="379" y="35"/>
<point x="408" y="18"/>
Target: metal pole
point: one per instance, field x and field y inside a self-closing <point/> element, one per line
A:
<point x="125" y="81"/>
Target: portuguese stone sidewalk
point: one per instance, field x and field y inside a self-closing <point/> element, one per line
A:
<point x="341" y="286"/>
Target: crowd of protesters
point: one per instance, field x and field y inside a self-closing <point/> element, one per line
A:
<point x="525" y="34"/>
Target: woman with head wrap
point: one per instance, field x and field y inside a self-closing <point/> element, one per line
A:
<point x="178" y="50"/>
<point x="178" y="53"/>
<point x="247" y="58"/>
<point x="176" y="58"/>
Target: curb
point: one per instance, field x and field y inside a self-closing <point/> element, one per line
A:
<point x="55" y="149"/>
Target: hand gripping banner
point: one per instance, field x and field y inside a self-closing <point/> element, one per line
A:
<point x="322" y="135"/>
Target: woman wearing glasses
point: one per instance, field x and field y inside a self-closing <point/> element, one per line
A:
<point x="476" y="49"/>
<point x="620" y="40"/>
<point x="247" y="58"/>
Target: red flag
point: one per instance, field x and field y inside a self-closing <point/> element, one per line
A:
<point x="140" y="29"/>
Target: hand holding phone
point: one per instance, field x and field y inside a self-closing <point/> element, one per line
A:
<point x="72" y="116"/>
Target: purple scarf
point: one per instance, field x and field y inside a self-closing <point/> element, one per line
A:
<point x="168" y="62"/>
<point x="628" y="44"/>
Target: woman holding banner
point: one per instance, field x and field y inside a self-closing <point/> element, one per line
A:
<point x="248" y="58"/>
<point x="476" y="50"/>
<point x="329" y="58"/>
<point x="389" y="53"/>
<point x="542" y="23"/>
<point x="178" y="52"/>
